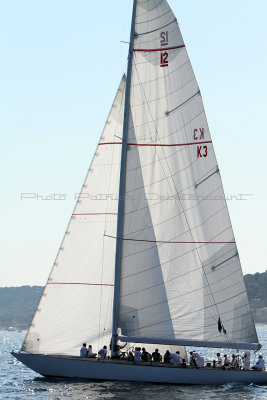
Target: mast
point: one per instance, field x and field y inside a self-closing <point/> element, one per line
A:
<point x="122" y="190"/>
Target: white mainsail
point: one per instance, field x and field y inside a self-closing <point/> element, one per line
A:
<point x="181" y="279"/>
<point x="76" y="305"/>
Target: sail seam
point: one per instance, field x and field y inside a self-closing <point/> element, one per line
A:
<point x="149" y="9"/>
<point x="160" y="49"/>
<point x="172" y="260"/>
<point x="158" y="29"/>
<point x="192" y="312"/>
<point x="173" y="217"/>
<point x="162" y="179"/>
<point x="180" y="295"/>
<point x="153" y="19"/>
<point x="181" y="276"/>
<point x="173" y="71"/>
<point x="185" y="209"/>
<point x="146" y="42"/>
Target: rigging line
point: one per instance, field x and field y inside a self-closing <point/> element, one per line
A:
<point x="107" y="205"/>
<point x="156" y="130"/>
<point x="79" y="283"/>
<point x="170" y="242"/>
<point x="157" y="144"/>
<point x="100" y="305"/>
<point x="168" y="145"/>
<point x="109" y="304"/>
<point x="96" y="214"/>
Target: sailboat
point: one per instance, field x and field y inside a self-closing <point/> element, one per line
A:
<point x="149" y="255"/>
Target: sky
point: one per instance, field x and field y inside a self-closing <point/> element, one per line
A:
<point x="61" y="64"/>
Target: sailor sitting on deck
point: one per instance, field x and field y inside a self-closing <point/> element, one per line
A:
<point x="234" y="362"/>
<point x="259" y="366"/>
<point x="145" y="355"/>
<point x="90" y="353"/>
<point x="166" y="357"/>
<point x="219" y="362"/>
<point x="156" y="356"/>
<point x="137" y="354"/>
<point x="175" y="359"/>
<point x="199" y="359"/>
<point x="226" y="362"/>
<point x="103" y="352"/>
<point x="83" y="350"/>
<point x="130" y="356"/>
<point x="192" y="359"/>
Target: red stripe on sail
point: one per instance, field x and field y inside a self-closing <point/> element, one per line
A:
<point x="80" y="283"/>
<point x="162" y="49"/>
<point x="157" y="144"/>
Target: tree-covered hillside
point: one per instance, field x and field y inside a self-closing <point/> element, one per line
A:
<point x="257" y="289"/>
<point x="17" y="304"/>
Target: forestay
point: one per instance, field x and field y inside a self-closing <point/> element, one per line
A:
<point x="76" y="305"/>
<point x="181" y="277"/>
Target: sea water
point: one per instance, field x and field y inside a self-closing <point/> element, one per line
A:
<point x="19" y="382"/>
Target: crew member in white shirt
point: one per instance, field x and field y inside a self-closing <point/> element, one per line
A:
<point x="246" y="360"/>
<point x="259" y="366"/>
<point x="199" y="359"/>
<point x="103" y="352"/>
<point x="219" y="362"/>
<point x="175" y="359"/>
<point x="83" y="350"/>
<point x="90" y="353"/>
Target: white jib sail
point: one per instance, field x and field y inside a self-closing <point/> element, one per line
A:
<point x="76" y="305"/>
<point x="181" y="277"/>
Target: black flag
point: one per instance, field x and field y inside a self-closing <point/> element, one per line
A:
<point x="220" y="325"/>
